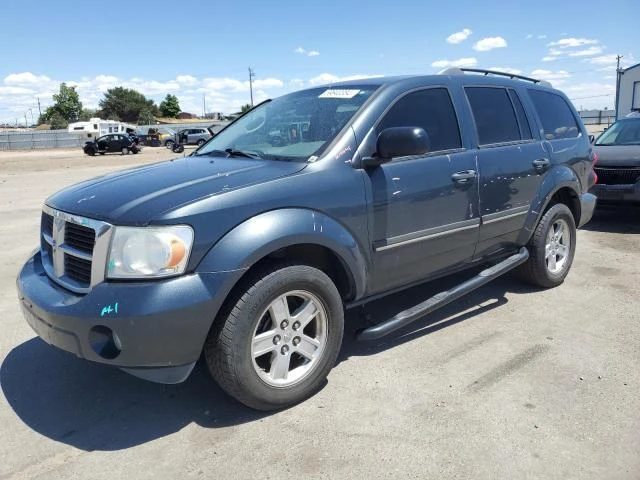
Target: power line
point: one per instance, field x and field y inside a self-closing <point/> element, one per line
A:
<point x="592" y="96"/>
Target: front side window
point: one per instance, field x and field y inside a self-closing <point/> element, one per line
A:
<point x="494" y="115"/>
<point x="557" y="119"/>
<point x="293" y="127"/>
<point x="430" y="109"/>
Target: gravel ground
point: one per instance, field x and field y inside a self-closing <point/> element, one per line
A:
<point x="509" y="382"/>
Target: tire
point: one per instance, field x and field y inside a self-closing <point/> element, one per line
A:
<point x="169" y="144"/>
<point x="102" y="153"/>
<point x="125" y="151"/>
<point x="233" y="355"/>
<point x="91" y="152"/>
<point x="200" y="142"/>
<point x="135" y="149"/>
<point x="550" y="252"/>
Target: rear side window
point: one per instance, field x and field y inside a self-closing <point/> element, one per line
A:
<point x="525" y="129"/>
<point x="430" y="109"/>
<point x="556" y="116"/>
<point x="494" y="115"/>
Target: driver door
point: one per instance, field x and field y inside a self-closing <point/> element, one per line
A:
<point x="424" y="208"/>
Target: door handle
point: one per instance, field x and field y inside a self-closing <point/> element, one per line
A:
<point x="541" y="164"/>
<point x="464" y="177"/>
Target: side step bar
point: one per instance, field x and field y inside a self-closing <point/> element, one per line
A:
<point x="443" y="298"/>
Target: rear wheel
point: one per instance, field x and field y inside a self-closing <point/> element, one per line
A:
<point x="277" y="343"/>
<point x="125" y="151"/>
<point x="551" y="248"/>
<point x="201" y="142"/>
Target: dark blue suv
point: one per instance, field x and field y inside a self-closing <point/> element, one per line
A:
<point x="249" y="249"/>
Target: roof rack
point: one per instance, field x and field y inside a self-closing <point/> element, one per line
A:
<point x="460" y="71"/>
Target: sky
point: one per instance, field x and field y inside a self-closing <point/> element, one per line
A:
<point x="202" y="49"/>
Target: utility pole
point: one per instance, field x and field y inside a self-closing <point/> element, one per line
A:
<point x="39" y="110"/>
<point x="204" y="106"/>
<point x="618" y="76"/>
<point x="31" y="112"/>
<point x="25" y="120"/>
<point x="252" y="74"/>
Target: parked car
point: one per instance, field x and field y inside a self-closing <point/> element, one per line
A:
<point x="250" y="250"/>
<point x="112" y="143"/>
<point x="618" y="167"/>
<point x="190" y="136"/>
<point x="155" y="136"/>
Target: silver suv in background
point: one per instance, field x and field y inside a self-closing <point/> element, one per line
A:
<point x="194" y="136"/>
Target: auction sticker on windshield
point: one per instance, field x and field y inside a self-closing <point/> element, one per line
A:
<point x="339" y="93"/>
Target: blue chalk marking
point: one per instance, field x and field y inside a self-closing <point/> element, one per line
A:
<point x="109" y="309"/>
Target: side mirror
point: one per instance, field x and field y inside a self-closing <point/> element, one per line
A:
<point x="398" y="142"/>
<point x="592" y="138"/>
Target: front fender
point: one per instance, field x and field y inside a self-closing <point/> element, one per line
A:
<point x="268" y="232"/>
<point x="558" y="177"/>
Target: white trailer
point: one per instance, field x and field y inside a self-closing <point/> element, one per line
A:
<point x="97" y="127"/>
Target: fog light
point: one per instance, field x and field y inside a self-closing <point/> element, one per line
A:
<point x="105" y="342"/>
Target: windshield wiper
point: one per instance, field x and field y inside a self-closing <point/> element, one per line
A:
<point x="232" y="152"/>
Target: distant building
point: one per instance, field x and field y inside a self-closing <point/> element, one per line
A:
<point x="186" y="115"/>
<point x="628" y="91"/>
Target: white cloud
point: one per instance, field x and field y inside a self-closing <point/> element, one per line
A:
<point x="513" y="71"/>
<point x="541" y="37"/>
<point x="609" y="77"/>
<point x="572" y="42"/>
<point x="490" y="43"/>
<point x="266" y="83"/>
<point x="308" y="53"/>
<point x="187" y="80"/>
<point x="529" y="36"/>
<point x="550" y="75"/>
<point x="25" y="78"/>
<point x="604" y="60"/>
<point x="461" y="63"/>
<point x="549" y="58"/>
<point x="15" y="91"/>
<point x="325" y="78"/>
<point x="587" y="52"/>
<point x="224" y="83"/>
<point x="459" y="36"/>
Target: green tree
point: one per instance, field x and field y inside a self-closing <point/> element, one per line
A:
<point x="87" y="113"/>
<point x="66" y="108"/>
<point x="127" y="105"/>
<point x="170" y="107"/>
<point x="245" y="108"/>
<point x="57" y="122"/>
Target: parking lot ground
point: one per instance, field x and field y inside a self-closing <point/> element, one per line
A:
<point x="508" y="382"/>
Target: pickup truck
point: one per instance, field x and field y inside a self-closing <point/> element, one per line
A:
<point x="250" y="249"/>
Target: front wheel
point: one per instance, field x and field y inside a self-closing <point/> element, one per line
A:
<point x="169" y="144"/>
<point x="551" y="248"/>
<point x="278" y="338"/>
<point x="201" y="142"/>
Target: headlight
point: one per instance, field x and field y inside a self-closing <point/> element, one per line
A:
<point x="149" y="252"/>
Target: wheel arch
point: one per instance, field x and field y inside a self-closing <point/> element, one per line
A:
<point x="561" y="185"/>
<point x="302" y="235"/>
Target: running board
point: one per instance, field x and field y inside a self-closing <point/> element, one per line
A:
<point x="443" y="298"/>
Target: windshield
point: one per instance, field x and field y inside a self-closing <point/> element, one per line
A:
<point x="624" y="132"/>
<point x="293" y="127"/>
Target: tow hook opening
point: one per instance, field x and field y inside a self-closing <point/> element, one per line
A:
<point x="105" y="342"/>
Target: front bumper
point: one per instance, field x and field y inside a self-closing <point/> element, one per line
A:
<point x="617" y="193"/>
<point x="154" y="330"/>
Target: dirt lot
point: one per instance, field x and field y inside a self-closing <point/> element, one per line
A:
<point x="509" y="382"/>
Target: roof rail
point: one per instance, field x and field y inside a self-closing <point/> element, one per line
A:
<point x="460" y="71"/>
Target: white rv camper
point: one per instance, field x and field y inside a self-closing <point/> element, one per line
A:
<point x="97" y="127"/>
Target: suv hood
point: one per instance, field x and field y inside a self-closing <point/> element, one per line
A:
<point x="617" y="155"/>
<point x="137" y="196"/>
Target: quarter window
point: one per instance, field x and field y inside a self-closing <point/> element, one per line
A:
<point x="556" y="116"/>
<point x="494" y="115"/>
<point x="430" y="109"/>
<point x="525" y="129"/>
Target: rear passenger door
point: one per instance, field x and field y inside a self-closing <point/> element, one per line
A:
<point x="424" y="216"/>
<point x="512" y="163"/>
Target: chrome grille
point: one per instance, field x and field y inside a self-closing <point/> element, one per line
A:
<point x="74" y="249"/>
